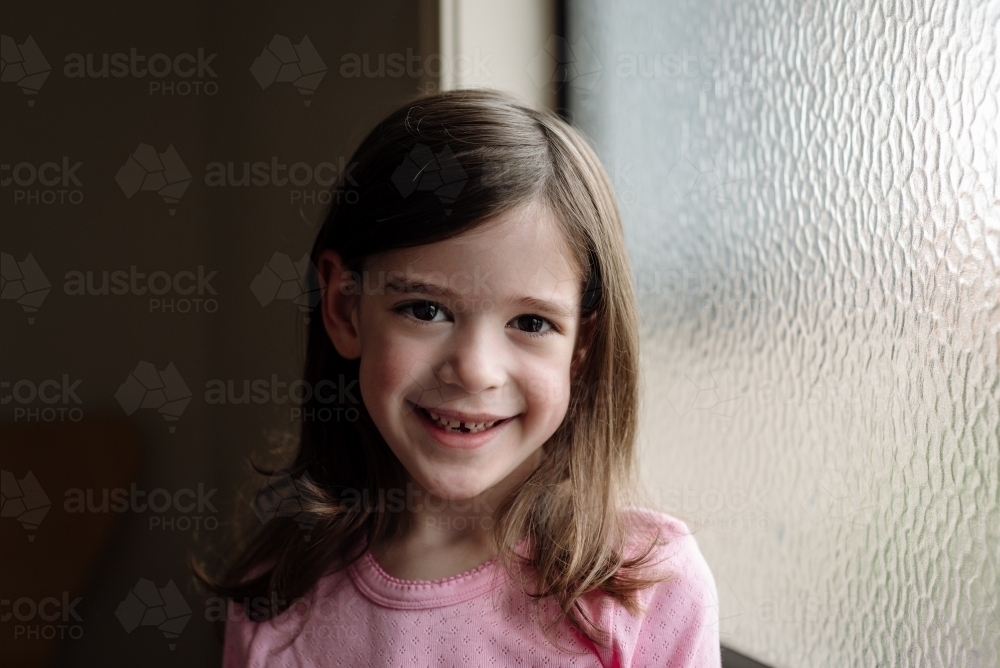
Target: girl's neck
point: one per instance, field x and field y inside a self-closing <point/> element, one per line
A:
<point x="444" y="538"/>
<point x="412" y="559"/>
<point x="447" y="537"/>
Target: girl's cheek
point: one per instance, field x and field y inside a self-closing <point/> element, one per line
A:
<point x="551" y="388"/>
<point x="381" y="375"/>
<point x="386" y="348"/>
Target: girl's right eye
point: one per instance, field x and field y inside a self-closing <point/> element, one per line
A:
<point x="421" y="311"/>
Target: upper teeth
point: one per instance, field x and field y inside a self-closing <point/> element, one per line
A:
<point x="453" y="424"/>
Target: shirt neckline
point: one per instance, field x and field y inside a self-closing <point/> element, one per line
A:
<point x="391" y="592"/>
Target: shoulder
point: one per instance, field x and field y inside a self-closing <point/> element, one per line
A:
<point x="672" y="547"/>
<point x="679" y="621"/>
<point x="249" y="642"/>
<point x="675" y="544"/>
<point x="675" y="556"/>
<point x="639" y="519"/>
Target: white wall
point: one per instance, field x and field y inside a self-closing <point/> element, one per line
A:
<point x="499" y="44"/>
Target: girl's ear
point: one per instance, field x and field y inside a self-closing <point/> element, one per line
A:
<point x="340" y="303"/>
<point x="584" y="339"/>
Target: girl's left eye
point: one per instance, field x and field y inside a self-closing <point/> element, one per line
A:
<point x="534" y="325"/>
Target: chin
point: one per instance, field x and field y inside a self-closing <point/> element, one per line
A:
<point x="456" y="492"/>
<point x="462" y="494"/>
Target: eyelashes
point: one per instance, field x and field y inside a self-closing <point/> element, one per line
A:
<point x="410" y="311"/>
<point x="411" y="308"/>
<point x="543" y="323"/>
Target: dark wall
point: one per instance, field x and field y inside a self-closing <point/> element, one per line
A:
<point x="235" y="330"/>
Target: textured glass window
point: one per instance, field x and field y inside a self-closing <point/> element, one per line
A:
<point x="811" y="197"/>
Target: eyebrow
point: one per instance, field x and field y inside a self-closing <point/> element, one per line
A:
<point x="407" y="286"/>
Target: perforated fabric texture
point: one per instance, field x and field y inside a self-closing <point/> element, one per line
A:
<point x="366" y="617"/>
<point x="811" y="199"/>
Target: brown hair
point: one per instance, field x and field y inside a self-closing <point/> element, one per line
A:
<point x="434" y="168"/>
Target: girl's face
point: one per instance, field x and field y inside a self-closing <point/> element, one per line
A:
<point x="475" y="329"/>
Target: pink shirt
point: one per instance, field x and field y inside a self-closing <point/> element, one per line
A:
<point x="362" y="616"/>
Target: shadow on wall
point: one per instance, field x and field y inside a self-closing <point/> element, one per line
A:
<point x="188" y="149"/>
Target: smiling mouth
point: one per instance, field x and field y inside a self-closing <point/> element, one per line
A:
<point x="459" y="427"/>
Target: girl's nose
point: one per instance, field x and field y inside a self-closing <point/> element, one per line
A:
<point x="475" y="359"/>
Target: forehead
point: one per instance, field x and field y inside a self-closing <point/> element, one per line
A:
<point x="521" y="253"/>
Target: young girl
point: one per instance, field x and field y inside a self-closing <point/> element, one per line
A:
<point x="478" y="316"/>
